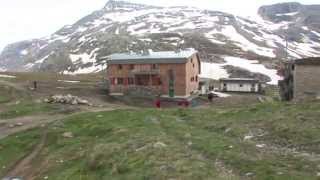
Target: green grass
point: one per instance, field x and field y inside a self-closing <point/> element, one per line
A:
<point x="5" y="94"/>
<point x="4" y="99"/>
<point x="183" y="144"/>
<point x="13" y="148"/>
<point x="26" y="108"/>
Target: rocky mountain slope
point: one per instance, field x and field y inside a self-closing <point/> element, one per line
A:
<point x="124" y="27"/>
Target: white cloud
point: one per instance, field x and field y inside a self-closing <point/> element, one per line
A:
<point x="22" y="19"/>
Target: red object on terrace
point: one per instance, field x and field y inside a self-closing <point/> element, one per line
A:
<point x="158" y="103"/>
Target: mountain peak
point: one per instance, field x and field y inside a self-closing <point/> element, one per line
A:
<point x="279" y="8"/>
<point x="123" y="26"/>
<point x="114" y="4"/>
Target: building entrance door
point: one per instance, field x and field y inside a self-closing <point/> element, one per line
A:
<point x="171" y="83"/>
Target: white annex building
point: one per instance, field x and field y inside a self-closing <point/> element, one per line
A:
<point x="240" y="85"/>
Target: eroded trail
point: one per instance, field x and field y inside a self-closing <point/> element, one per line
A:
<point x="23" y="168"/>
<point x="14" y="85"/>
<point x="12" y="126"/>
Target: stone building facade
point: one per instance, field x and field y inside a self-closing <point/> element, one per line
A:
<point x="301" y="79"/>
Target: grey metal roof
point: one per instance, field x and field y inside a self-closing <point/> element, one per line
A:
<point x="151" y="57"/>
<point x="308" y="61"/>
<point x="250" y="80"/>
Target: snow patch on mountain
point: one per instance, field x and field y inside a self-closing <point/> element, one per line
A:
<point x="3" y="69"/>
<point x="213" y="71"/>
<point x="288" y="14"/>
<point x="217" y="71"/>
<point x="85" y="57"/>
<point x="6" y="76"/>
<point x="24" y="52"/>
<point x="95" y="68"/>
<point x="245" y="44"/>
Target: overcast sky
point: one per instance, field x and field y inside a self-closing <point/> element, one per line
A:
<point x="27" y="19"/>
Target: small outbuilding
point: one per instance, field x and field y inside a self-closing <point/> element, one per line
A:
<point x="240" y="85"/>
<point x="300" y="79"/>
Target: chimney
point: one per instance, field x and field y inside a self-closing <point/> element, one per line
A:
<point x="145" y="52"/>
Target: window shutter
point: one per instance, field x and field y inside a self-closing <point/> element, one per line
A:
<point x="126" y="80"/>
<point x="113" y="81"/>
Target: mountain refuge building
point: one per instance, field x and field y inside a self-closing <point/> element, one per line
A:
<point x="172" y="74"/>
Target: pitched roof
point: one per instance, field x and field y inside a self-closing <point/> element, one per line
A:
<point x="151" y="57"/>
<point x="308" y="61"/>
<point x="246" y="80"/>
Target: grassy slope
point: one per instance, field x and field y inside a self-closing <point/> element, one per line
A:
<point x="6" y="94"/>
<point x="16" y="103"/>
<point x="25" y="108"/>
<point x="181" y="144"/>
<point x="16" y="147"/>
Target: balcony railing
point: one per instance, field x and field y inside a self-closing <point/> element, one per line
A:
<point x="145" y="71"/>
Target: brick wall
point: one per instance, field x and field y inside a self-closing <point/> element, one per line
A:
<point x="192" y="71"/>
<point x="186" y="76"/>
<point x="306" y="81"/>
<point x="178" y="69"/>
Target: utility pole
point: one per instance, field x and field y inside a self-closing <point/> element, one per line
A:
<point x="287" y="45"/>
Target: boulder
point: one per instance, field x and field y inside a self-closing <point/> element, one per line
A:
<point x="159" y="145"/>
<point x="19" y="124"/>
<point x="67" y="135"/>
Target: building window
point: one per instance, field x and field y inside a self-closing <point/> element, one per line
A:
<point x="192" y="79"/>
<point x="131" y="67"/>
<point x="196" y="78"/>
<point x="156" y="81"/>
<point x="120" y="67"/>
<point x="154" y="66"/>
<point x="120" y="81"/>
<point x="293" y="67"/>
<point x="241" y="85"/>
<point x="130" y="81"/>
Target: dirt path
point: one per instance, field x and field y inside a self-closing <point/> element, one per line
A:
<point x="12" y="126"/>
<point x="14" y="85"/>
<point x="23" y="167"/>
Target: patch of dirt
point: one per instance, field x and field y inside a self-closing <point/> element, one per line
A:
<point x="223" y="170"/>
<point x="12" y="126"/>
<point x="23" y="168"/>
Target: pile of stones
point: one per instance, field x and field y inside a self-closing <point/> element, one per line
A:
<point x="67" y="99"/>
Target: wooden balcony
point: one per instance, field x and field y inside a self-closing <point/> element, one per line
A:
<point x="145" y="71"/>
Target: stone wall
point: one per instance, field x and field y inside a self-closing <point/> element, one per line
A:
<point x="306" y="82"/>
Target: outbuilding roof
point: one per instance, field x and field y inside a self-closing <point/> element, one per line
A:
<point x="171" y="57"/>
<point x="239" y="80"/>
<point x="308" y="61"/>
